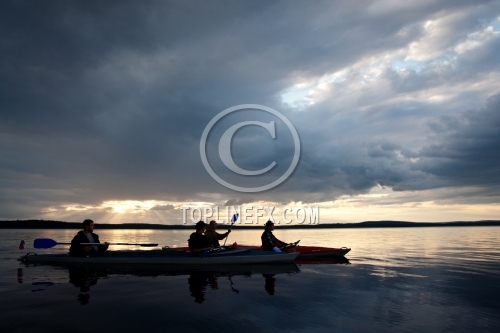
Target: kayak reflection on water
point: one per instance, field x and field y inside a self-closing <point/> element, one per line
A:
<point x="270" y="283"/>
<point x="199" y="278"/>
<point x="198" y="282"/>
<point x="84" y="278"/>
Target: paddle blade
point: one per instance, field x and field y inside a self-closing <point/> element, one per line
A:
<point x="235" y="217"/>
<point x="44" y="243"/>
<point x="21" y="245"/>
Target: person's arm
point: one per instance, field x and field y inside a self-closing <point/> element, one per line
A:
<point x="276" y="242"/>
<point x="101" y="248"/>
<point x="281" y="243"/>
<point x="222" y="236"/>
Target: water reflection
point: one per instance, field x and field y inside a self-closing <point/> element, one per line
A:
<point x="198" y="282"/>
<point x="20" y="275"/>
<point x="270" y="283"/>
<point x="84" y="278"/>
<point x="199" y="279"/>
<point x="411" y="280"/>
<point x="324" y="261"/>
<point x="344" y="297"/>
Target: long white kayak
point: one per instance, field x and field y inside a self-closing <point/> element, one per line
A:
<point x="153" y="257"/>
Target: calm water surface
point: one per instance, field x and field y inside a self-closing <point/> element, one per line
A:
<point x="442" y="279"/>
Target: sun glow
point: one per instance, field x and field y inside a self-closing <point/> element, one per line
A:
<point x="131" y="206"/>
<point x="123" y="206"/>
<point x="380" y="203"/>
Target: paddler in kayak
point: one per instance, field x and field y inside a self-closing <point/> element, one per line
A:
<point x="213" y="235"/>
<point x="269" y="241"/>
<point x="86" y="236"/>
<point x="198" y="242"/>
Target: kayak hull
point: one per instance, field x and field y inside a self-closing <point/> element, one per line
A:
<point x="314" y="252"/>
<point x="159" y="257"/>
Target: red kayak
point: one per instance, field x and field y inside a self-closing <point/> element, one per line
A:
<point x="306" y="252"/>
<point x="310" y="252"/>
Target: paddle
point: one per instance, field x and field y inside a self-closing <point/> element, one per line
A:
<point x="233" y="221"/>
<point x="47" y="243"/>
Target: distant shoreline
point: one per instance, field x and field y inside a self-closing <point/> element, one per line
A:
<point x="44" y="224"/>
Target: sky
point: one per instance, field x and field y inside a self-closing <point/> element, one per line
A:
<point x="396" y="105"/>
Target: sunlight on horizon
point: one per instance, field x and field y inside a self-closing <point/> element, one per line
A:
<point x="380" y="203"/>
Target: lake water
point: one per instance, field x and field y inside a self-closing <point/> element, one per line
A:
<point x="438" y="279"/>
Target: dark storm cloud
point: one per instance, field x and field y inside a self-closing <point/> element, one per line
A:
<point x="468" y="150"/>
<point x="464" y="152"/>
<point x="108" y="100"/>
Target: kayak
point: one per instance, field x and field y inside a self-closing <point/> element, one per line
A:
<point x="303" y="252"/>
<point x="164" y="257"/>
<point x="309" y="252"/>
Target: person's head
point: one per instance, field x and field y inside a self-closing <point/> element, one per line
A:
<point x="200" y="226"/>
<point x="269" y="226"/>
<point x="213" y="225"/>
<point x="88" y="225"/>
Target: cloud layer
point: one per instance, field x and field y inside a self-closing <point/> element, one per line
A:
<point x="106" y="102"/>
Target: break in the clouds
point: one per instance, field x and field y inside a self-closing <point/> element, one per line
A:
<point x="397" y="104"/>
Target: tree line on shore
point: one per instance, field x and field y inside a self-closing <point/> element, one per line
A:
<point x="49" y="224"/>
